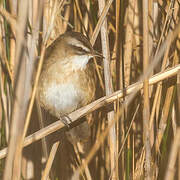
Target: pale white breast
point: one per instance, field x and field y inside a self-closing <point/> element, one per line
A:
<point x="63" y="98"/>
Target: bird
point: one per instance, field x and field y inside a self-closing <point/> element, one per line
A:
<point x="67" y="80"/>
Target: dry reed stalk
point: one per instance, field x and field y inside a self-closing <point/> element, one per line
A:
<point x="65" y="20"/>
<point x="4" y="56"/>
<point x="79" y="15"/>
<point x="4" y="105"/>
<point x="128" y="44"/>
<point x="20" y="104"/>
<point x="118" y="56"/>
<point x="146" y="108"/>
<point x="155" y="19"/>
<point x="127" y="65"/>
<point x="86" y="20"/>
<point x="80" y="161"/>
<point x="174" y="119"/>
<point x="156" y="104"/>
<point x="164" y="117"/>
<point x="140" y="166"/>
<point x="119" y="140"/>
<point x="108" y="89"/>
<point x="13" y="161"/>
<point x="133" y="155"/>
<point x="2" y="41"/>
<point x="34" y="17"/>
<point x="41" y="125"/>
<point x="61" y="23"/>
<point x="127" y="134"/>
<point x="179" y="165"/>
<point x="165" y="59"/>
<point x="1" y="116"/>
<point x="51" y="157"/>
<point x="35" y="12"/>
<point x="100" y="21"/>
<point x="11" y="19"/>
<point x="76" y="19"/>
<point x="137" y="34"/>
<point x="166" y="107"/>
<point x="96" y="32"/>
<point x="150" y="25"/>
<point x="173" y="157"/>
<point x="128" y="131"/>
<point x="178" y="95"/>
<point x="151" y="52"/>
<point x="5" y="100"/>
<point x="164" y="28"/>
<point x="13" y="10"/>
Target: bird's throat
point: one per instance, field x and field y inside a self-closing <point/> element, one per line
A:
<point x="76" y="62"/>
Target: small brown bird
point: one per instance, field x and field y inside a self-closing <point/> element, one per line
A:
<point x="67" y="80"/>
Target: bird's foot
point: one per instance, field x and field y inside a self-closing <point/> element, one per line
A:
<point x="66" y="120"/>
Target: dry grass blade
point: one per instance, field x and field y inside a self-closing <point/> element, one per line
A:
<point x="126" y="136"/>
<point x="4" y="59"/>
<point x="165" y="112"/>
<point x="173" y="156"/>
<point x="4" y="105"/>
<point x="100" y="21"/>
<point x="50" y="161"/>
<point x="11" y="19"/>
<point x="128" y="46"/>
<point x="41" y="125"/>
<point x="178" y="94"/>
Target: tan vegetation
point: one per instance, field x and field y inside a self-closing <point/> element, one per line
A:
<point x="135" y="126"/>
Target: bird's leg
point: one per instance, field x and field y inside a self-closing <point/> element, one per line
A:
<point x="66" y="120"/>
